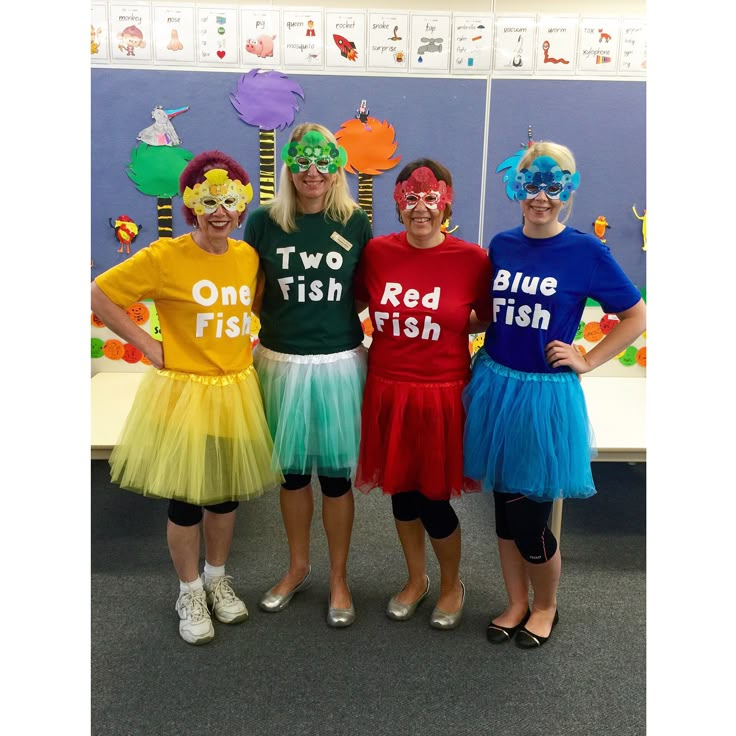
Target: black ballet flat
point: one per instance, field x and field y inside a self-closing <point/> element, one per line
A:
<point x="497" y="634"/>
<point x="526" y="640"/>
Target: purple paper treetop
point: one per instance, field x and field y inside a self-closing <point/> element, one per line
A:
<point x="266" y="99"/>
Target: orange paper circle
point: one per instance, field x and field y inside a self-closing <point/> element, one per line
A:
<point x="145" y="360"/>
<point x="131" y="354"/>
<point x="113" y="349"/>
<point x="367" y="326"/>
<point x="96" y="321"/>
<point x="580" y="349"/>
<point x="138" y="312"/>
<point x="641" y="357"/>
<point x="592" y="332"/>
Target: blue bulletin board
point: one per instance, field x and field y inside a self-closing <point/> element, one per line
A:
<point x="458" y="121"/>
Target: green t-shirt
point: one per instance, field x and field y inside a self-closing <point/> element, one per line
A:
<point x="308" y="302"/>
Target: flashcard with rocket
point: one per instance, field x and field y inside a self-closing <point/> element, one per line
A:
<point x="345" y="40"/>
<point x="173" y="34"/>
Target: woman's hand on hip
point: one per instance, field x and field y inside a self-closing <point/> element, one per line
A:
<point x="561" y="354"/>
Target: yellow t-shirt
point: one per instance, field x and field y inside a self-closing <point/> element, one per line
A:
<point x="203" y="301"/>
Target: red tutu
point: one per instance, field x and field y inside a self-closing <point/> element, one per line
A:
<point x="412" y="439"/>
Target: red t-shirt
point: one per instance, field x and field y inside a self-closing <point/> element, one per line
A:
<point x="419" y="302"/>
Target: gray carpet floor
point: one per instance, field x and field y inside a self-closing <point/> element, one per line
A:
<point x="290" y="674"/>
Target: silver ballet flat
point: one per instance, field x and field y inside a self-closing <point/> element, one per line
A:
<point x="441" y="620"/>
<point x="404" y="611"/>
<point x="275" y="602"/>
<point x="339" y="618"/>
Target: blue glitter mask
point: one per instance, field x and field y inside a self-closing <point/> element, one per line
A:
<point x="545" y="175"/>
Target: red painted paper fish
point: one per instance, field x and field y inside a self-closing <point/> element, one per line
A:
<point x="347" y="48"/>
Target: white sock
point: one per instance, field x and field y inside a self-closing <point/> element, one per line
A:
<point x="212" y="571"/>
<point x="192" y="587"/>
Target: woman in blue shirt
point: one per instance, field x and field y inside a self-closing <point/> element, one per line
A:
<point x="527" y="434"/>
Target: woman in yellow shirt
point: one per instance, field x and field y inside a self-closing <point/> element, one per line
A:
<point x="196" y="433"/>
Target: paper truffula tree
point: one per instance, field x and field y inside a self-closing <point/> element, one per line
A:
<point x="155" y="167"/>
<point x="370" y="145"/>
<point x="268" y="100"/>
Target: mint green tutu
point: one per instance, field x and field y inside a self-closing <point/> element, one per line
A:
<point x="312" y="405"/>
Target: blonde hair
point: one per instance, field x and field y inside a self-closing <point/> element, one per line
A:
<point x="339" y="203"/>
<point x="564" y="157"/>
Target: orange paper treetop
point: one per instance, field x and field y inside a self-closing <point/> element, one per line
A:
<point x="370" y="147"/>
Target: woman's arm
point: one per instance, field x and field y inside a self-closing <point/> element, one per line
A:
<point x="475" y="324"/>
<point x="117" y="320"/>
<point x="632" y="323"/>
<point x="258" y="298"/>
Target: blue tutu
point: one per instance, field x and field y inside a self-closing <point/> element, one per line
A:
<point x="527" y="432"/>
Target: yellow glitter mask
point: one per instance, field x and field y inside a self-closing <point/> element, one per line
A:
<point x="217" y="189"/>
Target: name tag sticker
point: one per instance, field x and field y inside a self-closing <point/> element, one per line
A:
<point x="346" y="244"/>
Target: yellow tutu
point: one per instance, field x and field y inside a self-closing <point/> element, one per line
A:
<point x="199" y="439"/>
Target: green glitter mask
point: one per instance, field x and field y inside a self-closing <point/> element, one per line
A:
<point x="315" y="149"/>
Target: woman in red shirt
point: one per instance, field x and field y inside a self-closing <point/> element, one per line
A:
<point x="422" y="285"/>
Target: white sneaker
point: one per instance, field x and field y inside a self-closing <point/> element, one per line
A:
<point x="195" y="626"/>
<point x="223" y="602"/>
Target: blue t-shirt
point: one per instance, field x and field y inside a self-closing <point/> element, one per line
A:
<point x="540" y="287"/>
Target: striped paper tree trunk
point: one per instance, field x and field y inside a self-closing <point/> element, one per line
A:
<point x="266" y="158"/>
<point x="365" y="194"/>
<point x="165" y="217"/>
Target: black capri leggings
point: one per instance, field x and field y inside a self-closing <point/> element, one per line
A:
<point x="525" y="521"/>
<point x="438" y="517"/>
<point x="182" y="513"/>
<point x="331" y="487"/>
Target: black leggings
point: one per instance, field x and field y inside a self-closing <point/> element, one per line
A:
<point x="525" y="521"/>
<point x="182" y="513"/>
<point x="331" y="487"/>
<point x="438" y="517"/>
